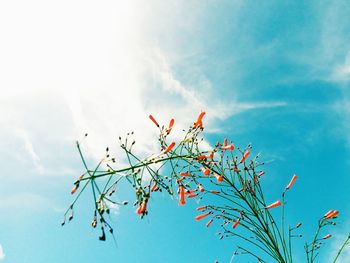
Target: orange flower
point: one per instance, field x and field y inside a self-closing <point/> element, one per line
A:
<point x="203" y="157"/>
<point x="188" y="192"/>
<point x="171" y="124"/>
<point x="218" y="177"/>
<point x="236" y="223"/>
<point x="209" y="222"/>
<point x="168" y="149"/>
<point x="292" y="181"/>
<point x="200" y="188"/>
<point x="228" y="147"/>
<point x="327" y="236"/>
<point x="154" y="187"/>
<point x="205" y="171"/>
<point x="74" y="189"/>
<point x="214" y="192"/>
<point x="201" y="207"/>
<point x="225" y="142"/>
<point x="199" y="123"/>
<point x="186" y="174"/>
<point x="182" y="200"/>
<point x="142" y="208"/>
<point x="245" y="155"/>
<point x="273" y="205"/>
<point x="332" y="214"/>
<point x="199" y="217"/>
<point x="154" y="120"/>
<point x="192" y="195"/>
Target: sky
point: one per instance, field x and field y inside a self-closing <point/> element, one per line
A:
<point x="275" y="74"/>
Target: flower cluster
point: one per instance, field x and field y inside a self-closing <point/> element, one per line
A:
<point x="226" y="174"/>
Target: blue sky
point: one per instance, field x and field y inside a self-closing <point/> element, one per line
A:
<point x="275" y="74"/>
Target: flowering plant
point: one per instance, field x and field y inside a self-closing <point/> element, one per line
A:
<point x="227" y="173"/>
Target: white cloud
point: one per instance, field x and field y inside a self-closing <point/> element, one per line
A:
<point x="29" y="148"/>
<point x="335" y="245"/>
<point x="98" y="71"/>
<point x="2" y="253"/>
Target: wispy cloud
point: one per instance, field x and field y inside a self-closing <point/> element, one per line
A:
<point x="29" y="148"/>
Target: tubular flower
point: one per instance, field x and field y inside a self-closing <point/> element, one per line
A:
<point x="200" y="188"/>
<point x="327" y="236"/>
<point x="168" y="149"/>
<point x="154" y="187"/>
<point x="292" y="181"/>
<point x="261" y="173"/>
<point x="201" y="208"/>
<point x="331" y="214"/>
<point x="74" y="189"/>
<point x="192" y="195"/>
<point x="199" y="217"/>
<point x="225" y="142"/>
<point x="209" y="222"/>
<point x="205" y="171"/>
<point x="182" y="200"/>
<point x="171" y="124"/>
<point x="214" y="192"/>
<point x="186" y="174"/>
<point x="273" y="205"/>
<point x="228" y="147"/>
<point x="203" y="157"/>
<point x="218" y="177"/>
<point x="236" y="223"/>
<point x="142" y="208"/>
<point x="188" y="192"/>
<point x="245" y="156"/>
<point x="199" y="123"/>
<point x="153" y="120"/>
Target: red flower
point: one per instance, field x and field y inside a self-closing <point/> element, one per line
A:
<point x="168" y="149"/>
<point x="200" y="188"/>
<point x="171" y="124"/>
<point x="331" y="214"/>
<point x="199" y="123"/>
<point x="218" y="177"/>
<point x="261" y="173"/>
<point x="188" y="192"/>
<point x="205" y="171"/>
<point x="327" y="236"/>
<point x="74" y="189"/>
<point x="199" y="217"/>
<point x="236" y="223"/>
<point x="209" y="222"/>
<point x="292" y="181"/>
<point x="228" y="147"/>
<point x="273" y="205"/>
<point x="201" y="207"/>
<point x="244" y="157"/>
<point x="182" y="200"/>
<point x="186" y="174"/>
<point x="154" y="120"/>
<point x="154" y="187"/>
<point x="142" y="208"/>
